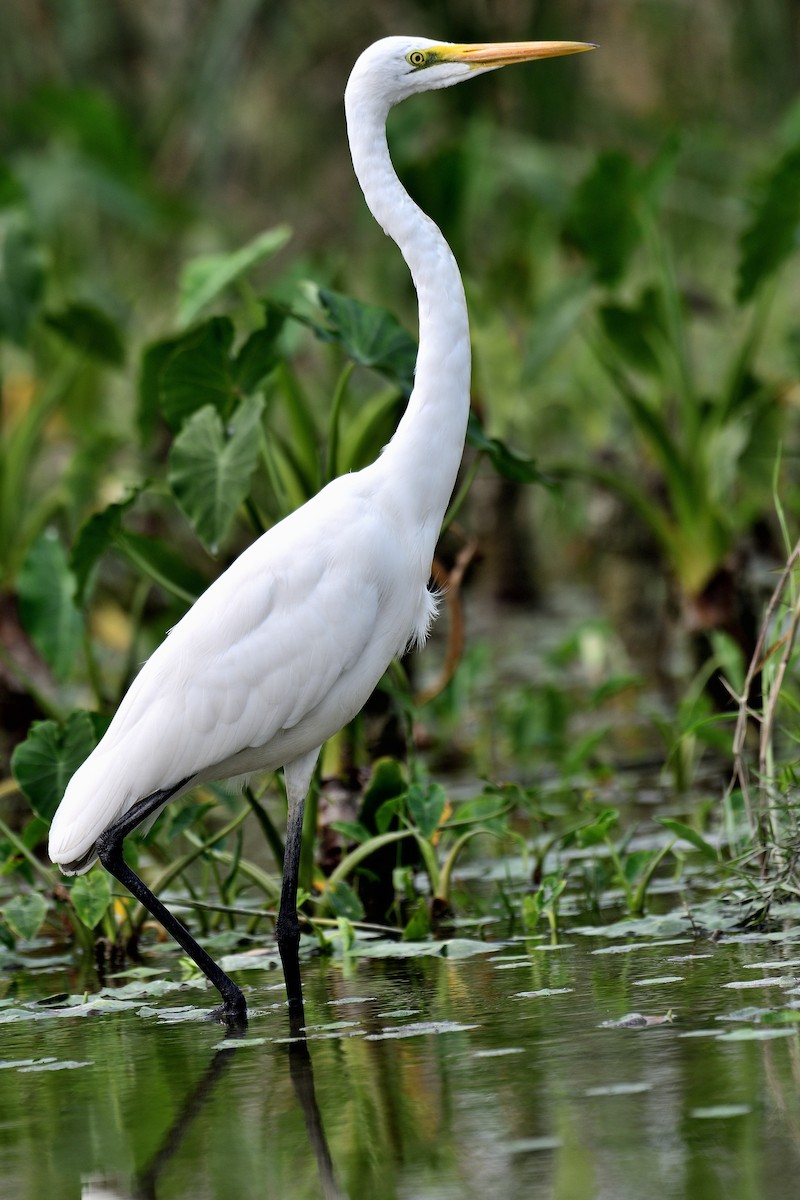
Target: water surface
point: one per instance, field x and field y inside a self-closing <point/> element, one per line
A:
<point x="600" y="1068"/>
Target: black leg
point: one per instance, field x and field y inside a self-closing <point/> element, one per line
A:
<point x="109" y="850"/>
<point x="287" y="927"/>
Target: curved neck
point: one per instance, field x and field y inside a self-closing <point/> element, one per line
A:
<point x="426" y="449"/>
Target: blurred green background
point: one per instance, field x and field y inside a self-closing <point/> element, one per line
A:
<point x="626" y="223"/>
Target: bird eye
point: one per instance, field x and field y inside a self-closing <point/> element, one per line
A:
<point x="416" y="58"/>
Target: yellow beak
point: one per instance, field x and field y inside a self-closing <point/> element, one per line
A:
<point x="500" y="54"/>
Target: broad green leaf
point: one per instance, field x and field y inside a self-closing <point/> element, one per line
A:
<point x="634" y="331"/>
<point x="370" y="336"/>
<point x="344" y="901"/>
<point x="387" y="782"/>
<point x="691" y="836"/>
<point x="199" y="372"/>
<point x="21" y="280"/>
<point x="202" y="279"/>
<point x="11" y="190"/>
<point x="90" y="331"/>
<point x="48" y="758"/>
<point x="91" y="896"/>
<point x="772" y="233"/>
<point x="47" y="609"/>
<point x="385" y="815"/>
<point x="598" y="830"/>
<point x="154" y="358"/>
<point x="506" y="462"/>
<point x="210" y="471"/>
<point x="426" y="806"/>
<point x="94" y="538"/>
<point x="353" y="831"/>
<point x="24" y="915"/>
<point x="419" y="925"/>
<point x="259" y="354"/>
<point x="602" y="220"/>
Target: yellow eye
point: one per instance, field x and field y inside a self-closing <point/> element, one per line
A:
<point x="416" y="58"/>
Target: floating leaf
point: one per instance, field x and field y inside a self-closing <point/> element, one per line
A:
<point x="210" y="472"/>
<point x="91" y="896"/>
<point x="90" y="331"/>
<point x="24" y="915"/>
<point x="720" y="1111"/>
<point x="48" y="758"/>
<point x="204" y="278"/>
<point x="46" y="589"/>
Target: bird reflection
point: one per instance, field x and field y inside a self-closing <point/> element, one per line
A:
<point x="301" y="1073"/>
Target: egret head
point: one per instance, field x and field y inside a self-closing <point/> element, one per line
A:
<point x="397" y="67"/>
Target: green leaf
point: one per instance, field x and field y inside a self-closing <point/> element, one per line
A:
<point x="426" y="806"/>
<point x="259" y="354"/>
<point x="91" y="896"/>
<point x="602" y="220"/>
<point x="198" y="372"/>
<point x="46" y="589"/>
<point x="154" y="358"/>
<point x="11" y="190"/>
<point x="691" y="836"/>
<point x="21" y="280"/>
<point x="388" y="781"/>
<point x="419" y="925"/>
<point x="344" y="901"/>
<point x="202" y="279"/>
<point x="48" y="758"/>
<point x="370" y="336"/>
<point x="634" y="332"/>
<point x="506" y="462"/>
<point x="90" y="331"/>
<point x="94" y="538"/>
<point x="210" y="472"/>
<point x="773" y="232"/>
<point x="353" y="831"/>
<point x="24" y="915"/>
<point x="598" y="830"/>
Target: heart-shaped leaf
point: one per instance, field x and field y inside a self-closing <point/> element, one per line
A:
<point x="24" y="915"/>
<point x="209" y="470"/>
<point x="91" y="896"/>
<point x="48" y="758"/>
<point x="46" y="588"/>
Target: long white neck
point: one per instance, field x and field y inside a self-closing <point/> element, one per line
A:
<point x="425" y="452"/>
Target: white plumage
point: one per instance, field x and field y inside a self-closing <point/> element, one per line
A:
<point x="287" y="645"/>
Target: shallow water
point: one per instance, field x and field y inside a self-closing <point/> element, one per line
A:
<point x="502" y="1072"/>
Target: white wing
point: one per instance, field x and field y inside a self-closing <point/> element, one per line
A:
<point x="281" y="651"/>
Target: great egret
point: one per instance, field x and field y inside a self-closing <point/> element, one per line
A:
<point x="286" y="646"/>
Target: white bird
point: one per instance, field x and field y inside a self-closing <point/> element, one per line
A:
<point x="287" y="645"/>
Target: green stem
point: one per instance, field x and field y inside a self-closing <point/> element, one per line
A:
<point x="334" y="420"/>
<point x="458" y="500"/>
<point x="271" y="835"/>
<point x="44" y="873"/>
